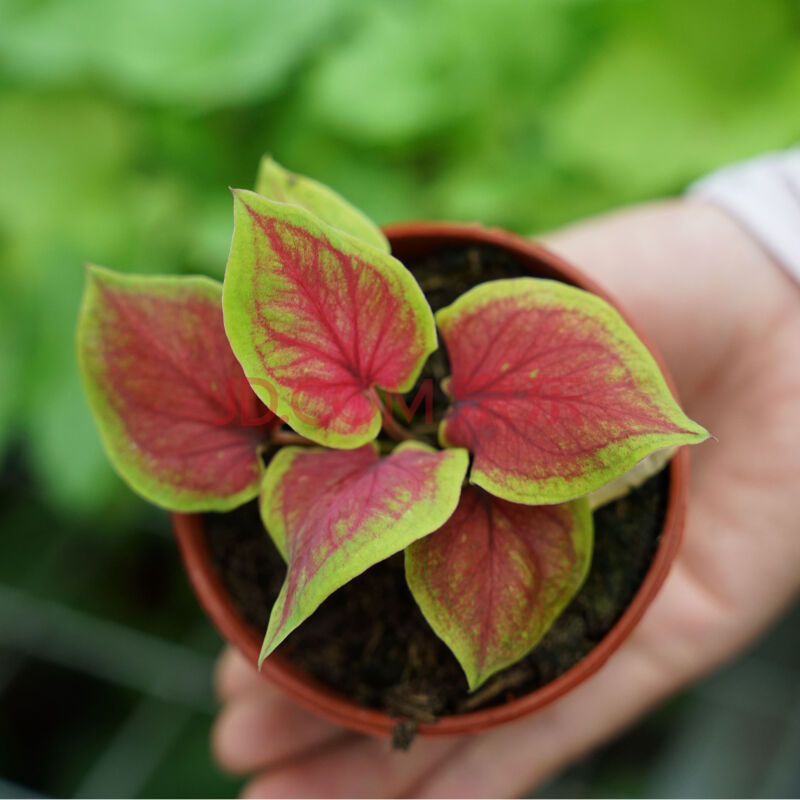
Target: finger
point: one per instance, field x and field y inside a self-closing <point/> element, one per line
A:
<point x="660" y="657"/>
<point x="234" y="675"/>
<point x="511" y="759"/>
<point x="360" y="768"/>
<point x="261" y="728"/>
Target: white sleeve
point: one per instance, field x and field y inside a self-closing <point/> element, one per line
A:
<point x="763" y="194"/>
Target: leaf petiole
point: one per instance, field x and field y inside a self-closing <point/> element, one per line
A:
<point x="391" y="426"/>
<point x="282" y="437"/>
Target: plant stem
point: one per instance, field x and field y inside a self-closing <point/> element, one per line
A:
<point x="390" y="425"/>
<point x="396" y="430"/>
<point x="282" y="438"/>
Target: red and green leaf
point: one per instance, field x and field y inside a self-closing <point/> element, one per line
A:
<point x="552" y="392"/>
<point x="174" y="410"/>
<point x="334" y="513"/>
<point x="277" y="183"/>
<point x="497" y="575"/>
<point x="318" y="320"/>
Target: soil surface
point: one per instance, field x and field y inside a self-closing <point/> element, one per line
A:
<point x="369" y="640"/>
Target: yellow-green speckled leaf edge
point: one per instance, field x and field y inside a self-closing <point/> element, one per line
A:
<point x="583" y="542"/>
<point x="110" y="428"/>
<point x="237" y="300"/>
<point x="450" y="476"/>
<point x="644" y="370"/>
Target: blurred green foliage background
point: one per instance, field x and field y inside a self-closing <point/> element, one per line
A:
<point x="122" y="123"/>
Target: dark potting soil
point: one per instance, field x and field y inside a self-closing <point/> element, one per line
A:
<point x="370" y="642"/>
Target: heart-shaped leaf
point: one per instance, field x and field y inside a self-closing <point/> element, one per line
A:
<point x="497" y="575"/>
<point x="318" y="319"/>
<point x="176" y="415"/>
<point x="277" y="183"/>
<point x="334" y="513"/>
<point x="552" y="391"/>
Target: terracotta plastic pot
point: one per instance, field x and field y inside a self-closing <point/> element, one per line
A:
<point x="419" y="239"/>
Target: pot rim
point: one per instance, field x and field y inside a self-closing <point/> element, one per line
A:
<point x="313" y="695"/>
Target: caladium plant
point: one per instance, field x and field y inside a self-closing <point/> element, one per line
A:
<point x="280" y="383"/>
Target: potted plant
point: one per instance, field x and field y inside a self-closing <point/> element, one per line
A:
<point x="403" y="499"/>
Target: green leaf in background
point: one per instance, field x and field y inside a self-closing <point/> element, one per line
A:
<point x="62" y="438"/>
<point x="418" y="69"/>
<point x="355" y="171"/>
<point x="11" y="364"/>
<point x="657" y="107"/>
<point x="382" y="89"/>
<point x="61" y="157"/>
<point x="203" y="53"/>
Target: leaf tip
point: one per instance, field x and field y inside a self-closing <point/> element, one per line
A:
<point x="275" y="634"/>
<point x="241" y="196"/>
<point x="95" y="274"/>
<point x="474" y="679"/>
<point x="268" y="167"/>
<point x="690" y="432"/>
<point x="701" y="434"/>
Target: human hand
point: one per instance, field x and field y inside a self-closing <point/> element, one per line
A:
<point x="727" y="321"/>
